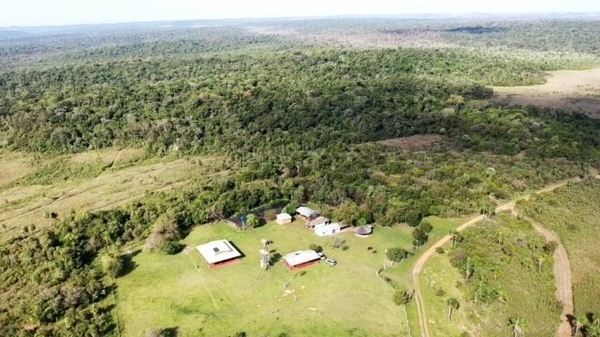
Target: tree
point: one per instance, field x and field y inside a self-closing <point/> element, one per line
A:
<point x="453" y="305"/>
<point x="456" y="237"/>
<point x="252" y="221"/>
<point x="397" y="254"/>
<point x="402" y="297"/>
<point x="518" y="326"/>
<point x="315" y="247"/>
<point x="112" y="265"/>
<point x="420" y="237"/>
<point x="426" y="227"/>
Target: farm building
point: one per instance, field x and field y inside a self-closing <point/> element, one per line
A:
<point x="218" y="253"/>
<point x="307" y="213"/>
<point x="283" y="218"/>
<point x="330" y="229"/>
<point x="301" y="259"/>
<point x="317" y="221"/>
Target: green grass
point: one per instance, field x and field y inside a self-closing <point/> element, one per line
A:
<point x="438" y="274"/>
<point x="345" y="300"/>
<point x="572" y="213"/>
<point x="506" y="266"/>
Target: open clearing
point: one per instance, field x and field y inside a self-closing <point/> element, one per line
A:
<point x="572" y="90"/>
<point x="346" y="300"/>
<point x="122" y="178"/>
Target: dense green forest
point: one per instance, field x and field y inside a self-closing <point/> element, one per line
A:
<point x="298" y="119"/>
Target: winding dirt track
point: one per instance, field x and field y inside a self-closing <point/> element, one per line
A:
<point x="562" y="275"/>
<point x="561" y="288"/>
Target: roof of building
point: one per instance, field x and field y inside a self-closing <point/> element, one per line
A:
<point x="284" y="216"/>
<point x="328" y="226"/>
<point x="318" y="221"/>
<point x="218" y="251"/>
<point x="306" y="212"/>
<point x="364" y="230"/>
<point x="300" y="257"/>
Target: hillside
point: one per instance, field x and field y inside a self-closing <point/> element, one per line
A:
<point x="122" y="149"/>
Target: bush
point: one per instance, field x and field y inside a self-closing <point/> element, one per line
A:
<point x="440" y="250"/>
<point x="171" y="247"/>
<point x="270" y="215"/>
<point x="426" y="227"/>
<point x="315" y="247"/>
<point x="397" y="254"/>
<point x="112" y="265"/>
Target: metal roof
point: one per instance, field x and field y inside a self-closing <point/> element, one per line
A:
<point x="218" y="251"/>
<point x="300" y="257"/>
<point x="306" y="212"/>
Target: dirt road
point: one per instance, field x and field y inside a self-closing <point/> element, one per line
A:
<point x="562" y="275"/>
<point x="423" y="323"/>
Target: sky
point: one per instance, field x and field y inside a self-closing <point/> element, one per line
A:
<point x="68" y="12"/>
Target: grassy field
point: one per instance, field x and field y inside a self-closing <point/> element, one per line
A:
<point x="345" y="300"/>
<point x="503" y="252"/>
<point x="439" y="276"/>
<point x="31" y="188"/>
<point x="572" y="213"/>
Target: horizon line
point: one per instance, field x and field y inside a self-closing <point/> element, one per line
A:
<point x="346" y="16"/>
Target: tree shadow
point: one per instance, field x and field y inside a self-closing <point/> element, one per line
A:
<point x="275" y="257"/>
<point x="170" y="332"/>
<point x="129" y="264"/>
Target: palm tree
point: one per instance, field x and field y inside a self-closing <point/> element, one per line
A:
<point x="518" y="326"/>
<point x="577" y="325"/>
<point x="455" y="237"/>
<point x="453" y="305"/>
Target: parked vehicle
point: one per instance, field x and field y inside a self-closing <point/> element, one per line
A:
<point x="331" y="262"/>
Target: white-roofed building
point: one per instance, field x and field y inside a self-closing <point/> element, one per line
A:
<point x="307" y="213"/>
<point x="317" y="222"/>
<point x="301" y="259"/>
<point x="330" y="229"/>
<point x="218" y="252"/>
<point x="283" y="218"/>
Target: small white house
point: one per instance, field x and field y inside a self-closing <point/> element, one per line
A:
<point x="283" y="218"/>
<point x="330" y="229"/>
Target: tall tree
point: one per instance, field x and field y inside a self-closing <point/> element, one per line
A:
<point x="453" y="305"/>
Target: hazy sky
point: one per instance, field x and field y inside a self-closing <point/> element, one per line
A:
<point x="61" y="12"/>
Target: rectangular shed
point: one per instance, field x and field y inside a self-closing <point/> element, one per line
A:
<point x="301" y="259"/>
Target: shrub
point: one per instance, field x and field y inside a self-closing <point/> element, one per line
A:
<point x="315" y="247"/>
<point x="397" y="254"/>
<point x="440" y="250"/>
<point x="271" y="215"/>
<point x="112" y="265"/>
<point x="426" y="227"/>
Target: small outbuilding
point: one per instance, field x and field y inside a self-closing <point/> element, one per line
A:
<point x="307" y="213"/>
<point x="330" y="229"/>
<point x="301" y="259"/>
<point x="317" y="221"/>
<point x="218" y="253"/>
<point x="283" y="218"/>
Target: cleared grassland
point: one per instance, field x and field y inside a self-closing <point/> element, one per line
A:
<point x="90" y="181"/>
<point x="346" y="300"/>
<point x="574" y="90"/>
<point x="572" y="213"/>
<point x="503" y="252"/>
<point x="438" y="284"/>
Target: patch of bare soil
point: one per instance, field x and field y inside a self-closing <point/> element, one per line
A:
<point x="572" y="90"/>
<point x="412" y="142"/>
